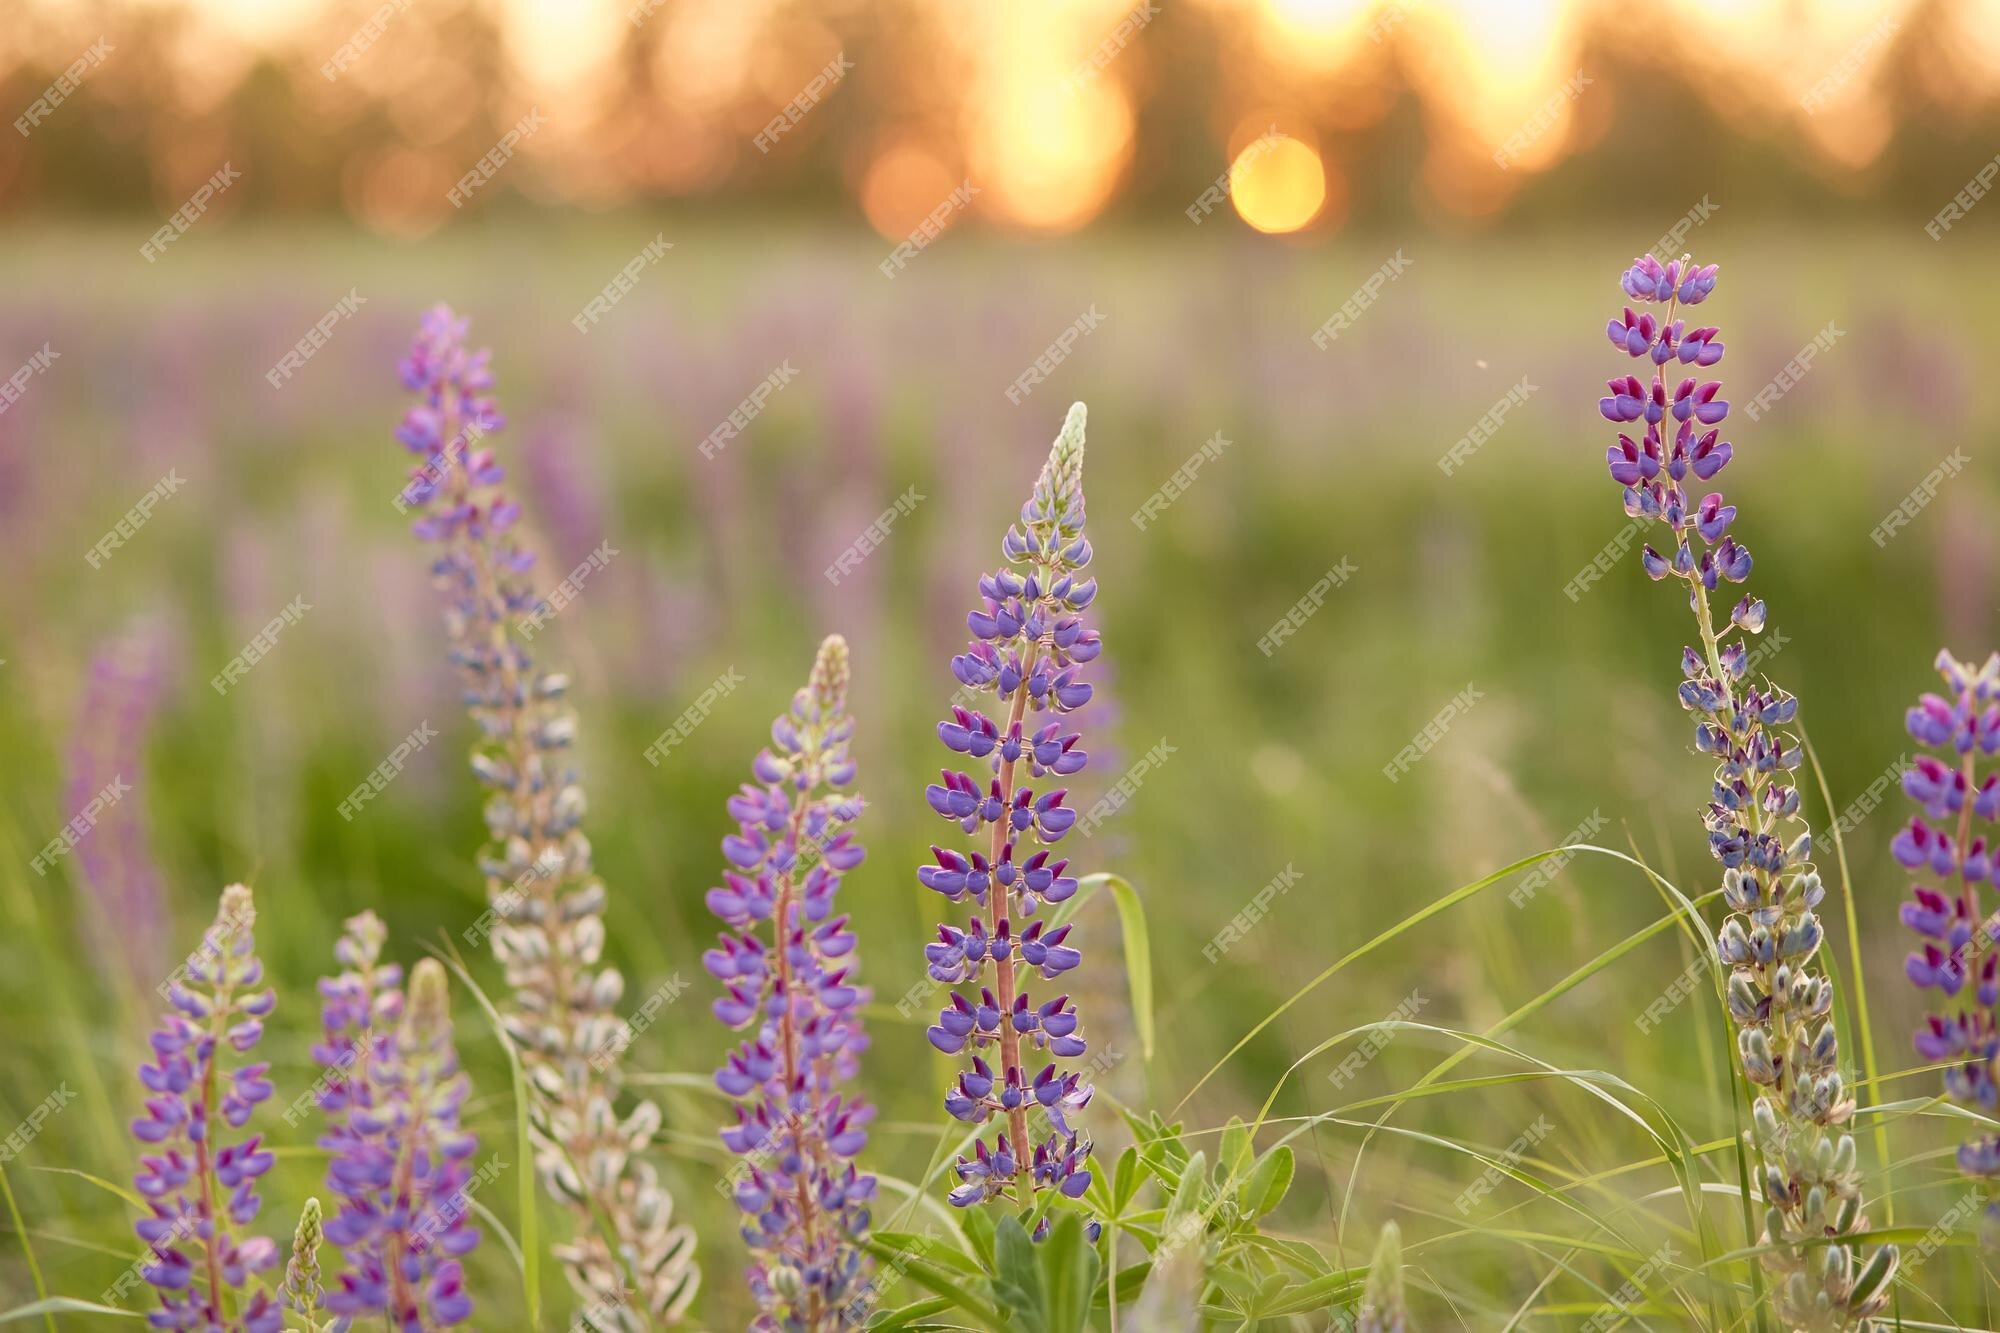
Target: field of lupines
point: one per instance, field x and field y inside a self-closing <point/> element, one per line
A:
<point x="1415" y="948"/>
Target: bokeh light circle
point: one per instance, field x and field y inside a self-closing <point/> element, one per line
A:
<point x="1277" y="184"/>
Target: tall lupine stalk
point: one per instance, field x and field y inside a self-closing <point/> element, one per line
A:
<point x="795" y="1132"/>
<point x="398" y="1154"/>
<point x="1782" y="1006"/>
<point x="547" y="902"/>
<point x="1958" y="935"/>
<point x="1029" y="641"/>
<point x="201" y="1189"/>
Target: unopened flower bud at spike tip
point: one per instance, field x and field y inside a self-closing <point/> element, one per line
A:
<point x="1382" y="1303"/>
<point x="303" y="1292"/>
<point x="430" y="1001"/>
<point x="238" y="909"/>
<point x="830" y="674"/>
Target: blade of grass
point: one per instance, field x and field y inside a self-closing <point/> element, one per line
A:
<point x="1860" y="1017"/>
<point x="530" y="1247"/>
<point x="27" y="1248"/>
<point x="1137" y="941"/>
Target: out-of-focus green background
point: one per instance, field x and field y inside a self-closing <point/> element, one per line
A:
<point x="1274" y="760"/>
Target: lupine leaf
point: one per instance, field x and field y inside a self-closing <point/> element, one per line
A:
<point x="1069" y="1275"/>
<point x="1124" y="1181"/>
<point x="1017" y="1278"/>
<point x="910" y="1316"/>
<point x="1267" y="1185"/>
<point x="928" y="1276"/>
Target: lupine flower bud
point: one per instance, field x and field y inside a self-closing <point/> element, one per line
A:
<point x="1769" y="943"/>
<point x="546" y="921"/>
<point x="1956" y="955"/>
<point x="1029" y="643"/>
<point x="1382" y="1308"/>
<point x="303" y="1293"/>
<point x="788" y="964"/>
<point x="200" y="1186"/>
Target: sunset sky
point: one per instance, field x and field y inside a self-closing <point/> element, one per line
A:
<point x="1043" y="105"/>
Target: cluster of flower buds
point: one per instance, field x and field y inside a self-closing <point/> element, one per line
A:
<point x="399" y="1159"/>
<point x="200" y="1188"/>
<point x="1782" y="1006"/>
<point x="547" y="904"/>
<point x="1030" y="642"/>
<point x="805" y="1203"/>
<point x="1957" y="956"/>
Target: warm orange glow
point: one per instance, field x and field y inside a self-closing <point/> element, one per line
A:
<point x="1277" y="185"/>
<point x="901" y="187"/>
<point x="1049" y="156"/>
<point x="1038" y="106"/>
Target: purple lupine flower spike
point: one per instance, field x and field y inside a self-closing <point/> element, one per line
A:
<point x="400" y="1164"/>
<point x="792" y="987"/>
<point x="1783" y="1007"/>
<point x="200" y="1178"/>
<point x="1030" y="641"/>
<point x="546" y="922"/>
<point x="1945" y="842"/>
<point x="107" y="756"/>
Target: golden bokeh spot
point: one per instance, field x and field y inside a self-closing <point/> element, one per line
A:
<point x="1277" y="184"/>
<point x="1052" y="153"/>
<point x="901" y="187"/>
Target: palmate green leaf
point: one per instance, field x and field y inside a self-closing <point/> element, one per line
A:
<point x="1069" y="1275"/>
<point x="979" y="1236"/>
<point x="1321" y="1293"/>
<point x="1268" y="1183"/>
<point x="909" y="1245"/>
<point x="1125" y="1181"/>
<point x="1017" y="1278"/>
<point x="930" y="1277"/>
<point x="1236" y="1154"/>
<point x="910" y="1316"/>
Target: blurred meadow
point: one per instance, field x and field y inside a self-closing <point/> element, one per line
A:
<point x="1458" y="572"/>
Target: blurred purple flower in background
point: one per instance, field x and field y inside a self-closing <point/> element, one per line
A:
<point x="127" y="678"/>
